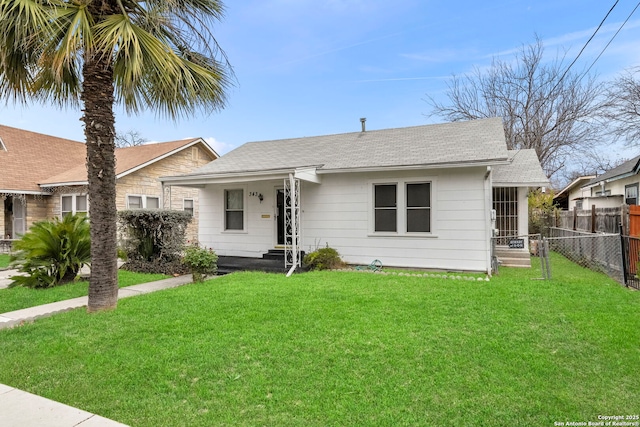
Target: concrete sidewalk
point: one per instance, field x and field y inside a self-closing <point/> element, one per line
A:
<point x="21" y="409"/>
<point x="17" y="317"/>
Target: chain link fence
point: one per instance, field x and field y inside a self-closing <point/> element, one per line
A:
<point x="599" y="252"/>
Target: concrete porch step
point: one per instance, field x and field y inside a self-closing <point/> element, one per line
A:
<point x="277" y="254"/>
<point x="513" y="258"/>
<point x="515" y="262"/>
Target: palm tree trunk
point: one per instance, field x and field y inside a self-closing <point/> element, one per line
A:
<point x="99" y="130"/>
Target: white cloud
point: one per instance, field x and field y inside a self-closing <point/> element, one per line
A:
<point x="220" y="147"/>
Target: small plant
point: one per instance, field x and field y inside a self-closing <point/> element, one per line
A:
<point x="201" y="261"/>
<point x="323" y="259"/>
<point x="52" y="252"/>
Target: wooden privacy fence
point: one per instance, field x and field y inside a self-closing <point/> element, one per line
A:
<point x="599" y="220"/>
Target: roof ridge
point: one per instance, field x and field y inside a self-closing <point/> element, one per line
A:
<point x="474" y="121"/>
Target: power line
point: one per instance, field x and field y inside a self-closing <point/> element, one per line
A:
<point x="614" y="36"/>
<point x="585" y="45"/>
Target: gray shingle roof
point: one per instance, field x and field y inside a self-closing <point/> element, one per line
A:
<point x="627" y="168"/>
<point x="524" y="170"/>
<point x="429" y="145"/>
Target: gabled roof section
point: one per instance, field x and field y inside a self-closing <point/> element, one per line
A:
<point x="450" y="144"/>
<point x="578" y="182"/>
<point x="626" y="169"/>
<point x="523" y="170"/>
<point x="31" y="157"/>
<point x="129" y="160"/>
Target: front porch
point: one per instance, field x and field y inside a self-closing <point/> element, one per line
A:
<point x="271" y="262"/>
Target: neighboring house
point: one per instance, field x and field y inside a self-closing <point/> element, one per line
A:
<point x="44" y="177"/>
<point x="412" y="197"/>
<point x="615" y="187"/>
<point x="572" y="196"/>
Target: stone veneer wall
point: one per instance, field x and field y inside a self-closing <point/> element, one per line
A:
<point x="36" y="210"/>
<point x="142" y="182"/>
<point x="145" y="182"/>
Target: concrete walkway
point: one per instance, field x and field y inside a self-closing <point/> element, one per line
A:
<point x="21" y="409"/>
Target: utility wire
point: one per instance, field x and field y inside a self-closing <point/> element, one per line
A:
<point x="614" y="36"/>
<point x="585" y="45"/>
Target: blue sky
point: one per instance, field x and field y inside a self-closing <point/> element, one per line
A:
<point x="309" y="68"/>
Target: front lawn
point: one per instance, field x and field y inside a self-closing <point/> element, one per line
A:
<point x="4" y="260"/>
<point x="342" y="349"/>
<point x="21" y="297"/>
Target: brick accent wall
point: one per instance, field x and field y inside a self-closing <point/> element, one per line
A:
<point x="36" y="210"/>
<point x="143" y="182"/>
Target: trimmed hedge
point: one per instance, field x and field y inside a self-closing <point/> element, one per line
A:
<point x="154" y="240"/>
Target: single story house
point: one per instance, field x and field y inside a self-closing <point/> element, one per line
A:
<point x="572" y="196"/>
<point x="613" y="188"/>
<point x="421" y="197"/>
<point x="43" y="177"/>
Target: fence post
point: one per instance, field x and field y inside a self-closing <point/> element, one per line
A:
<point x="624" y="253"/>
<point x="575" y="218"/>
<point x="593" y="218"/>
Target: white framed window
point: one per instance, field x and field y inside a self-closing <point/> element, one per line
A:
<point x="188" y="206"/>
<point x="385" y="207"/>
<point x="403" y="207"/>
<point x="631" y="194"/>
<point x="234" y="209"/>
<point x="418" y="207"/>
<point x="74" y="204"/>
<point x="135" y="201"/>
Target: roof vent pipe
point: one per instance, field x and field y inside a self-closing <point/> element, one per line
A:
<point x="362" y="120"/>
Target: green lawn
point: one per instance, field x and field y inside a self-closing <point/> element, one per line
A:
<point x="4" y="260"/>
<point x="20" y="297"/>
<point x="343" y="349"/>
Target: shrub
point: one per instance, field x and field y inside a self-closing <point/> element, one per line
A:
<point x="154" y="240"/>
<point x="52" y="252"/>
<point x="323" y="259"/>
<point x="200" y="261"/>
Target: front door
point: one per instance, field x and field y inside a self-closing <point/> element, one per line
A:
<point x="280" y="216"/>
<point x="18" y="218"/>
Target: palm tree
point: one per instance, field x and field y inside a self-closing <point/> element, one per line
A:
<point x="152" y="54"/>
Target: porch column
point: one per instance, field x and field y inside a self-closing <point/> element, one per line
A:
<point x="292" y="258"/>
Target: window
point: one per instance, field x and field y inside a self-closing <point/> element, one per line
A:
<point x="134" y="202"/>
<point x="631" y="194"/>
<point x="579" y="204"/>
<point x="385" y="206"/>
<point x="153" y="203"/>
<point x="234" y="209"/>
<point x="419" y="207"/>
<point x="188" y="205"/>
<point x="73" y="204"/>
<point x="143" y="202"/>
<point x="402" y="207"/>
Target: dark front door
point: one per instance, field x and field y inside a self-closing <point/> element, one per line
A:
<point x="280" y="216"/>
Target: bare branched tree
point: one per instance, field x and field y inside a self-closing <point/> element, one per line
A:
<point x="131" y="138"/>
<point x="591" y="162"/>
<point x="622" y="107"/>
<point x="542" y="106"/>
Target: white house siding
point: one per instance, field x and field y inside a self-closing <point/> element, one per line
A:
<point x="339" y="212"/>
<point x="260" y="227"/>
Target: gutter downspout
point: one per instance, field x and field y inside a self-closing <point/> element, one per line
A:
<point x="488" y="222"/>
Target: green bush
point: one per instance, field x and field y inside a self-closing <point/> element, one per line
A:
<point x="52" y="252"/>
<point x="153" y="240"/>
<point x="200" y="261"/>
<point x="323" y="259"/>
